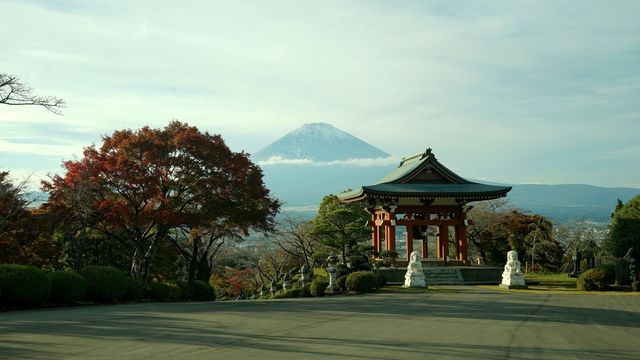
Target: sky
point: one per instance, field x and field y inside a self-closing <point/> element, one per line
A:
<point x="506" y="91"/>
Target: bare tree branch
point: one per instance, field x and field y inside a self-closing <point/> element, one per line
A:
<point x="14" y="92"/>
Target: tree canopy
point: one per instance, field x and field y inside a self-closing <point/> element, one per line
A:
<point x="624" y="232"/>
<point x="497" y="229"/>
<point x="341" y="226"/>
<point x="140" y="187"/>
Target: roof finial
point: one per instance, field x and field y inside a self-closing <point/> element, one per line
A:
<point x="427" y="154"/>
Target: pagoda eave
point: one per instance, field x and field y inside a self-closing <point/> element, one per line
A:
<point x="367" y="193"/>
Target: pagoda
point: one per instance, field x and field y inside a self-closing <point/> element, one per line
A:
<point x="426" y="198"/>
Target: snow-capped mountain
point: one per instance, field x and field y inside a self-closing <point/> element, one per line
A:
<point x="318" y="142"/>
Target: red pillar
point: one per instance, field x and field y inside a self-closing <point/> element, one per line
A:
<point x="390" y="234"/>
<point x="462" y="239"/>
<point x="439" y="242"/>
<point x="409" y="241"/>
<point x="443" y="239"/>
<point x="373" y="230"/>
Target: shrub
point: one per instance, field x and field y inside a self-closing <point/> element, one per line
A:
<point x="203" y="291"/>
<point x="342" y="270"/>
<point x="359" y="262"/>
<point x="342" y="282"/>
<point x="381" y="280"/>
<point x="594" y="279"/>
<point x="610" y="269"/>
<point x="106" y="283"/>
<point x="185" y="292"/>
<point x="380" y="263"/>
<point x="67" y="287"/>
<point x="635" y="285"/>
<point x="320" y="272"/>
<point x="361" y="281"/>
<point x="318" y="286"/>
<point x="134" y="289"/>
<point x="161" y="291"/>
<point x="285" y="294"/>
<point x="23" y="285"/>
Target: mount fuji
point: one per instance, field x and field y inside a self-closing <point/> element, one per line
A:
<point x="317" y="142"/>
<point x="318" y="159"/>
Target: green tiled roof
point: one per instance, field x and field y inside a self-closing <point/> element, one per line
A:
<point x="422" y="176"/>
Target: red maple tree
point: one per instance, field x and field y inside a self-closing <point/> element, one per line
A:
<point x="142" y="187"/>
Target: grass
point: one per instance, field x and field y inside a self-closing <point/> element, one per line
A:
<point x="557" y="283"/>
<point x="551" y="281"/>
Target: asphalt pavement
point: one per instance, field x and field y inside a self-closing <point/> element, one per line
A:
<point x="446" y="323"/>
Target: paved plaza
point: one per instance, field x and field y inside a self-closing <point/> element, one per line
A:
<point x="446" y="323"/>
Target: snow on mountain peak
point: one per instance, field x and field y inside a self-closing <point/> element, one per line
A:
<point x="319" y="142"/>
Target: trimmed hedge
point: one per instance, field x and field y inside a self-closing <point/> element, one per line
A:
<point x="610" y="270"/>
<point x="594" y="279"/>
<point x="361" y="281"/>
<point x="106" y="283"/>
<point x="203" y="291"/>
<point x="381" y="280"/>
<point x="163" y="291"/>
<point x="341" y="281"/>
<point x="285" y="294"/>
<point x="135" y="290"/>
<point x="23" y="285"/>
<point x="67" y="287"/>
<point x="185" y="292"/>
<point x="318" y="286"/>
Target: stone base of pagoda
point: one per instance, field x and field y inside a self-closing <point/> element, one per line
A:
<point x="447" y="275"/>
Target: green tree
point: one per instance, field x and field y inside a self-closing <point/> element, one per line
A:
<point x="24" y="232"/>
<point x="497" y="230"/>
<point x="624" y="232"/>
<point x="341" y="226"/>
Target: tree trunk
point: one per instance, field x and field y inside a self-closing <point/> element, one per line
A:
<point x="193" y="264"/>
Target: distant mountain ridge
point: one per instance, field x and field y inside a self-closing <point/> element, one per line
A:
<point x="570" y="202"/>
<point x="318" y="142"/>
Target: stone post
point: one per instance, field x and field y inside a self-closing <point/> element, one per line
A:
<point x="274" y="287"/>
<point x="304" y="280"/>
<point x="286" y="282"/>
<point x="333" y="287"/>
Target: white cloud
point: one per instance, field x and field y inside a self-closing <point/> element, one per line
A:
<point x="363" y="162"/>
<point x="278" y="160"/>
<point x="40" y="149"/>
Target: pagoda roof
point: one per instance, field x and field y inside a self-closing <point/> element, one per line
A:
<point x="423" y="177"/>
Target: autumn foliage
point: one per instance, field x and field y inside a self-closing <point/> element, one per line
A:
<point x="140" y="187"/>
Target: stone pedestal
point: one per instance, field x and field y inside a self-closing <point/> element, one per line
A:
<point x="286" y="282"/>
<point x="332" y="269"/>
<point x="274" y="287"/>
<point x="512" y="276"/>
<point x="414" y="278"/>
<point x="304" y="281"/>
